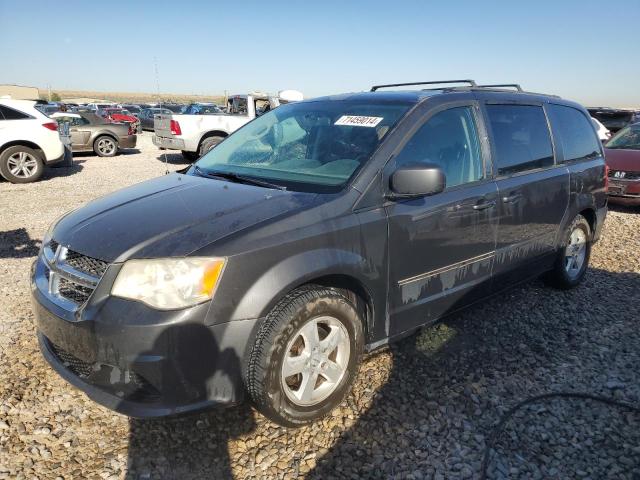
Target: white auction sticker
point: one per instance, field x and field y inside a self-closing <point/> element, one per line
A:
<point x="358" y="121"/>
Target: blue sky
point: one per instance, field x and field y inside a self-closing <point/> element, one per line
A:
<point x="583" y="50"/>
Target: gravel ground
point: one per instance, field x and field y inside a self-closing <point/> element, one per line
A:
<point x="425" y="408"/>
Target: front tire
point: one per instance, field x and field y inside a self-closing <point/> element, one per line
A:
<point x="305" y="357"/>
<point x="20" y="164"/>
<point x="573" y="258"/>
<point x="105" y="146"/>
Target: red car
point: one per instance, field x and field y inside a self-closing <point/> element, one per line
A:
<point x="120" y="115"/>
<point x="622" y="154"/>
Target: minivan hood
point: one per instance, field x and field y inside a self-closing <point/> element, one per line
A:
<point x="173" y="215"/>
<point x="622" y="159"/>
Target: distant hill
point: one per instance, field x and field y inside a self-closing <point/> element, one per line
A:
<point x="124" y="97"/>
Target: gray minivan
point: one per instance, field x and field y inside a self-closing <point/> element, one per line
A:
<point x="318" y="231"/>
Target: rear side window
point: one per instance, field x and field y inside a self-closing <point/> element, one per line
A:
<point x="521" y="138"/>
<point x="11" y="114"/>
<point x="574" y="132"/>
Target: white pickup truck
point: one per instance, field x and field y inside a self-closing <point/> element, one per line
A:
<point x="195" y="135"/>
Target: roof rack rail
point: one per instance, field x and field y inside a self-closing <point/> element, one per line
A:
<point x="505" y="85"/>
<point x="376" y="87"/>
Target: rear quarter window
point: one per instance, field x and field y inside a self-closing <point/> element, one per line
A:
<point x="574" y="132"/>
<point x="521" y="139"/>
<point x="11" y="114"/>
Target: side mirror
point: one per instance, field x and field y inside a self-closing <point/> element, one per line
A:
<point x="417" y="181"/>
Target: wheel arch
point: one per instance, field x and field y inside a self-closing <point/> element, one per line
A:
<point x="24" y="143"/>
<point x="212" y="133"/>
<point x="590" y="215"/>
<point x="104" y="133"/>
<point x="326" y="267"/>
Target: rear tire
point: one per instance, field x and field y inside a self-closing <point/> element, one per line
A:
<point x="20" y="164"/>
<point x="105" y="146"/>
<point x="190" y="156"/>
<point x="295" y="376"/>
<point x="573" y="258"/>
<point x="208" y="143"/>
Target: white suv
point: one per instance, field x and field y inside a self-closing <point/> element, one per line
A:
<point x="29" y="140"/>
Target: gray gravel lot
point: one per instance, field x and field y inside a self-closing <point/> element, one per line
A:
<point x="424" y="408"/>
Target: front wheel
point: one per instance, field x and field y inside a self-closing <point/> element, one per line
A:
<point x="305" y="357"/>
<point x="573" y="258"/>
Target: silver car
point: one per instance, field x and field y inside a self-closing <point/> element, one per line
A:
<point x="91" y="132"/>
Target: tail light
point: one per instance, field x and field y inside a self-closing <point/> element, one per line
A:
<point x="53" y="126"/>
<point x="606" y="177"/>
<point x="131" y="129"/>
<point x="175" y="128"/>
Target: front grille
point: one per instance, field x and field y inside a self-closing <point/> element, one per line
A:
<point x="72" y="276"/>
<point x="89" y="265"/>
<point x="78" y="367"/>
<point x="73" y="291"/>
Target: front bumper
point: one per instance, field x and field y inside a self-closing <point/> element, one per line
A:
<point x="139" y="361"/>
<point x="169" y="143"/>
<point x="624" y="192"/>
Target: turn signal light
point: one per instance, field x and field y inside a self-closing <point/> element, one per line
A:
<point x="175" y="128"/>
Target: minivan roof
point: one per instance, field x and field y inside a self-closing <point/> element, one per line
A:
<point x="506" y="92"/>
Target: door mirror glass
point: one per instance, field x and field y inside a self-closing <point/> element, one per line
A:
<point x="417" y="180"/>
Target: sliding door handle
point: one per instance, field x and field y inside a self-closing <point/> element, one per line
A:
<point x="514" y="198"/>
<point x="484" y="205"/>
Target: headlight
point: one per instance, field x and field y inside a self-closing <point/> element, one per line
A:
<point x="169" y="283"/>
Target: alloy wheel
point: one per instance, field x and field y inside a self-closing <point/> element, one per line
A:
<point x="106" y="146"/>
<point x="22" y="165"/>
<point x="316" y="360"/>
<point x="575" y="252"/>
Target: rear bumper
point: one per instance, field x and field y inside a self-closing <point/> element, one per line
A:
<point x="54" y="154"/>
<point x="66" y="153"/>
<point x="169" y="142"/>
<point x="628" y="200"/>
<point x="128" y="141"/>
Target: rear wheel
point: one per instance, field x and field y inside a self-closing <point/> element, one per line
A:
<point x="20" y="164"/>
<point x="208" y="143"/>
<point x="305" y="357"/>
<point x="573" y="258"/>
<point x="105" y="146"/>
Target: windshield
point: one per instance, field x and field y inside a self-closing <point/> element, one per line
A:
<point x="311" y="146"/>
<point x="628" y="137"/>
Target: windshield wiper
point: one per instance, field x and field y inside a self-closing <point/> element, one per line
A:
<point x="238" y="178"/>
